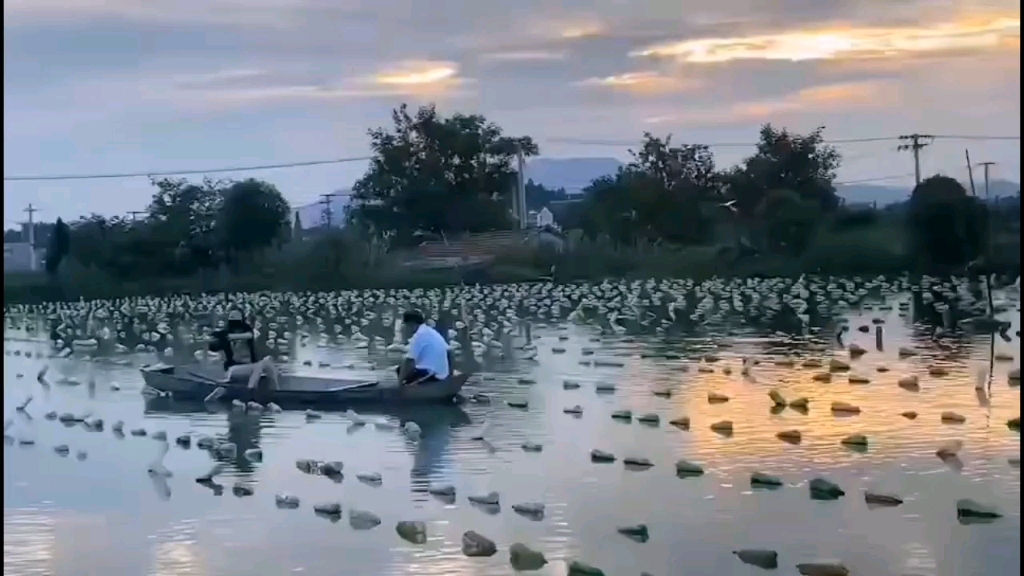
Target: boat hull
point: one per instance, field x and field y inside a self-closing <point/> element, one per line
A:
<point x="198" y="383"/>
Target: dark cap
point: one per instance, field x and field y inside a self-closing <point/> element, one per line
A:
<point x="412" y="317"/>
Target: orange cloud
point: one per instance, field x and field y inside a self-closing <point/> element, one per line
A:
<point x="816" y="99"/>
<point x="996" y="33"/>
<point x="641" y="83"/>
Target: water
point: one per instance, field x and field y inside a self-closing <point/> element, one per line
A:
<point x="105" y="515"/>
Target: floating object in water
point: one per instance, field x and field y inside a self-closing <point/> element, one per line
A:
<point x="791" y="436"/>
<point x="622" y="415"/>
<point x="286" y="501"/>
<point x="362" y="519"/>
<point x="253" y="455"/>
<point x="723" y="427"/>
<point x="313" y="415"/>
<point x="185" y="441"/>
<point x="649" y="418"/>
<point x="716" y="398"/>
<point x="532" y="447"/>
<point x="62" y="449"/>
<point x="766" y="559"/>
<point x="604" y="387"/>
<point x="683" y="422"/>
<point x="637" y="462"/>
<point x="441" y="490"/>
<point x="881" y="499"/>
<point x="909" y="382"/>
<point x="522" y="404"/>
<point x="638" y="532"/>
<point x="855" y="440"/>
<point x="570" y="385"/>
<point x="685" y="468"/>
<point x="800" y="403"/>
<point x="950" y="417"/>
<point x="904" y="352"/>
<point x="822" y="489"/>
<point x="909" y="414"/>
<point x="822" y="377"/>
<point x="937" y="371"/>
<point x="858" y="379"/>
<point x="482" y="432"/>
<point x="370" y="477"/>
<point x="822" y="569"/>
<point x="762" y="479"/>
<point x="601" y="456"/>
<point x="576" y="410"/>
<point x="212" y="473"/>
<point x="328" y="508"/>
<point x="475" y="545"/>
<point x="21" y="407"/>
<point x="411" y="430"/>
<point x="489" y="499"/>
<point x="968" y="508"/>
<point x="837" y="365"/>
<point x="531" y="509"/>
<point x="412" y="531"/>
<point x="845" y="408"/>
<point x="226" y="450"/>
<point x="159" y="435"/>
<point x="778" y="400"/>
<point x="138" y="432"/>
<point x="577" y="568"/>
<point x="242" y="490"/>
<point x="524" y="559"/>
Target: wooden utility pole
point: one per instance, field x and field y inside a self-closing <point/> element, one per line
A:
<point x="327" y="213"/>
<point x="984" y="167"/>
<point x="31" y="210"/>
<point x="914" y="143"/>
<point x="521" y="188"/>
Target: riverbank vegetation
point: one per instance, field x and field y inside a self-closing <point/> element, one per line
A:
<point x="670" y="212"/>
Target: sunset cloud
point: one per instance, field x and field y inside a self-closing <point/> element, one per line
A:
<point x="640" y="83"/>
<point x="843" y="43"/>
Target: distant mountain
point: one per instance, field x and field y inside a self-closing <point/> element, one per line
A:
<point x="573" y="174"/>
<point x="886" y="195"/>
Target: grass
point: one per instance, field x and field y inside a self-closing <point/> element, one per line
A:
<point x="876" y="248"/>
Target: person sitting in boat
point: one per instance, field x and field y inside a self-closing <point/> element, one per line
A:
<point x="238" y="344"/>
<point x="429" y="358"/>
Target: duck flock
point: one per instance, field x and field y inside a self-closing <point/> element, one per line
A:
<point x="483" y="322"/>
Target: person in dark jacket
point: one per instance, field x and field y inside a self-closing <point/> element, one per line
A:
<point x="238" y="344"/>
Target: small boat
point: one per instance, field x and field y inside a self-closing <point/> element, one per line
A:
<point x="195" y="382"/>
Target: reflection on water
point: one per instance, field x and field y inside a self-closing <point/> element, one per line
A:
<point x="106" y="515"/>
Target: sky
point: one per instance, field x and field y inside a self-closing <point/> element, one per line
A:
<point x="143" y="86"/>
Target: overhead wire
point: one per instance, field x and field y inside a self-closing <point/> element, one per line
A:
<point x="578" y="141"/>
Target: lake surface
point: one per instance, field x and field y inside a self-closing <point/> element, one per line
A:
<point x="104" y="515"/>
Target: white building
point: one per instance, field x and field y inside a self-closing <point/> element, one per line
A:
<point x="545" y="218"/>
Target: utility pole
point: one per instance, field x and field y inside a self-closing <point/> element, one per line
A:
<point x="521" y="187"/>
<point x="135" y="213"/>
<point x="327" y="214"/>
<point x="31" y="237"/>
<point x="914" y="143"/>
<point x="984" y="167"/>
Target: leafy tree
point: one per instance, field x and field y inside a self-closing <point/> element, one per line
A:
<point x="948" y="227"/>
<point x="539" y="196"/>
<point x="661" y="193"/>
<point x="437" y="174"/>
<point x="253" y="215"/>
<point x="803" y="164"/>
<point x="59" y="247"/>
<point x="790" y="221"/>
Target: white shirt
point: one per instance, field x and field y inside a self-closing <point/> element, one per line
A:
<point x="429" y="351"/>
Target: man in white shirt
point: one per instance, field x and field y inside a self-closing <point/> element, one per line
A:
<point x="428" y="359"/>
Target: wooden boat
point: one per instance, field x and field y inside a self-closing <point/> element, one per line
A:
<point x="196" y="382"/>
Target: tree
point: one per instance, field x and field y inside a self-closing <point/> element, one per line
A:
<point x="948" y="227"/>
<point x="539" y="196"/>
<point x="662" y="193"/>
<point x="803" y="164"/>
<point x="253" y="215"/>
<point x="59" y="247"/>
<point x="789" y="221"/>
<point x="437" y="174"/>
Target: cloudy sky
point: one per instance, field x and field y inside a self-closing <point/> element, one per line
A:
<point x="114" y="86"/>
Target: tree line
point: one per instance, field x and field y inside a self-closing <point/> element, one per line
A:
<point x="431" y="173"/>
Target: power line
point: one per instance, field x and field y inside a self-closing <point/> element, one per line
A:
<point x="578" y="141"/>
<point x="589" y="142"/>
<point x="875" y="179"/>
<point x="117" y="175"/>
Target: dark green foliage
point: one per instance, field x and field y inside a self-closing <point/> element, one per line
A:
<point x="431" y="173"/>
<point x="948" y="227"/>
<point x="58" y="248"/>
